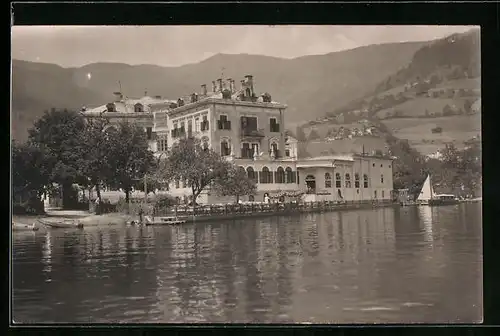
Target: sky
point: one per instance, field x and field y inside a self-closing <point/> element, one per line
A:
<point x="74" y="46"/>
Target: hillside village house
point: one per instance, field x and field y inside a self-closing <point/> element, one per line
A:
<point x="249" y="130"/>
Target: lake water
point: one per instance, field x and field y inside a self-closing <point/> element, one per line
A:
<point x="402" y="265"/>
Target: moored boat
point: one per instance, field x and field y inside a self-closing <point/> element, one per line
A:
<point x="24" y="227"/>
<point x="61" y="223"/>
<point x="427" y="195"/>
<point x="167" y="220"/>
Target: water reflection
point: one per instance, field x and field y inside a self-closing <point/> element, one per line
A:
<point x="383" y="265"/>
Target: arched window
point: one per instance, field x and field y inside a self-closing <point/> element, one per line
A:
<point x="382" y="178"/>
<point x="356" y="180"/>
<point x="266" y="176"/>
<point x="241" y="169"/>
<point x="375" y="194"/>
<point x="279" y="175"/>
<point x="347" y="180"/>
<point x="365" y="181"/>
<point x="383" y="194"/>
<point x="225" y="149"/>
<point x="111" y="107"/>
<point x="251" y="174"/>
<point x="273" y="147"/>
<point x="290" y="175"/>
<point x="328" y="180"/>
<point x="138" y="107"/>
<point x="338" y="180"/>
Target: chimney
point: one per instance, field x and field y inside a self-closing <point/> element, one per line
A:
<point x="249" y="81"/>
<point x="204" y="89"/>
<point x="230" y="85"/>
<point x="219" y="82"/>
<point x="118" y="96"/>
<point x="214" y="86"/>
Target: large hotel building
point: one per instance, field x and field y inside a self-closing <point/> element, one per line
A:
<point x="249" y="130"/>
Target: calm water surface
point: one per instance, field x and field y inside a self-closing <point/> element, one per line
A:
<point x="376" y="266"/>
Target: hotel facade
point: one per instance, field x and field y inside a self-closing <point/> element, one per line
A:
<point x="249" y="130"/>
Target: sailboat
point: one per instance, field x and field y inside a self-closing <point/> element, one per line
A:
<point x="428" y="197"/>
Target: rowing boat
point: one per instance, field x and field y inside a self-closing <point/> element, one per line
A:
<point x="24" y="227"/>
<point x="61" y="224"/>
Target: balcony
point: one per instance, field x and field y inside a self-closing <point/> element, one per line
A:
<point x="224" y="125"/>
<point x="252" y="133"/>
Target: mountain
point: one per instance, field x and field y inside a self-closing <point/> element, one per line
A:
<point x="309" y="85"/>
<point x="431" y="101"/>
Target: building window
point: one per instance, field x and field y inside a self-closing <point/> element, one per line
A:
<point x="149" y="133"/>
<point x="161" y="143"/>
<point x="111" y="107"/>
<point x="251" y="174"/>
<point x="311" y="184"/>
<point x="255" y="149"/>
<point x="249" y="124"/>
<point x="273" y="125"/>
<point x="375" y="193"/>
<point x="190" y="128"/>
<point x="197" y="124"/>
<point x="266" y="176"/>
<point x="382" y="194"/>
<point x="138" y="108"/>
<point x="274" y="148"/>
<point x="328" y="180"/>
<point x="279" y="175"/>
<point x="373" y="164"/>
<point x="365" y="181"/>
<point x="347" y="180"/>
<point x="290" y="175"/>
<point x="338" y="180"/>
<point x="381" y="166"/>
<point x="389" y="166"/>
<point x="357" y="191"/>
<point x="225" y="149"/>
<point x="287" y="152"/>
<point x="223" y="123"/>
<point x="205" y="146"/>
<point x="205" y="124"/>
<point x="356" y="181"/>
<point x="246" y="151"/>
<point x="177" y="184"/>
<point x="382" y="178"/>
<point x="251" y="198"/>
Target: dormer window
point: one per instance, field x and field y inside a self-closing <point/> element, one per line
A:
<point x="111" y="107"/>
<point x="138" y="107"/>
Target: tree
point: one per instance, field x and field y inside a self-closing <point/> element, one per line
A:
<point x="30" y="176"/>
<point x="235" y="183"/>
<point x="95" y="154"/>
<point x="57" y="133"/>
<point x="189" y="161"/>
<point x="128" y="157"/>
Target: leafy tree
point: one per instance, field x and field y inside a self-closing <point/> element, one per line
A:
<point x="235" y="183"/>
<point x="30" y="176"/>
<point x="95" y="154"/>
<point x="128" y="157"/>
<point x="57" y="133"/>
<point x="189" y="161"/>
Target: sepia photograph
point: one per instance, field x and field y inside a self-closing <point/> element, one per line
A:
<point x="291" y="174"/>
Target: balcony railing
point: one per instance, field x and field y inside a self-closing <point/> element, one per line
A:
<point x="254" y="133"/>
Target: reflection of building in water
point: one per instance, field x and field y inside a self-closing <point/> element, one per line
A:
<point x="47" y="252"/>
<point x="425" y="213"/>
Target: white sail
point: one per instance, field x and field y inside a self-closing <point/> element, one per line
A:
<point x="426" y="192"/>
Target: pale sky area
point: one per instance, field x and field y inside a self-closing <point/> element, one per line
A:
<point x="70" y="46"/>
